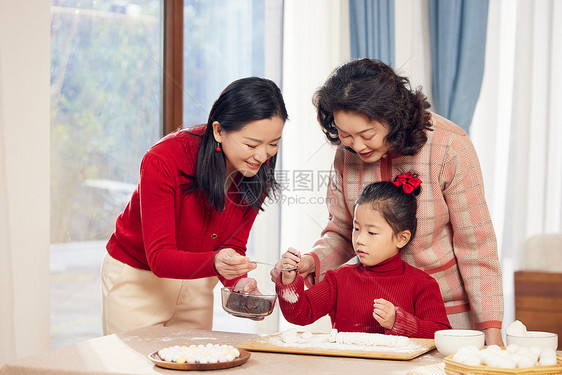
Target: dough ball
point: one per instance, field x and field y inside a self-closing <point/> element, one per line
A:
<point x="516" y="328"/>
<point x="306" y="335"/>
<point x="493" y="360"/>
<point x="547" y="360"/>
<point x="333" y="335"/>
<point x="494" y="348"/>
<point x="525" y="361"/>
<point x="470" y="349"/>
<point x="507" y="362"/>
<point x="181" y="359"/>
<point x="402" y="342"/>
<point x="460" y="357"/>
<point x="472" y="360"/>
<point x="290" y="336"/>
<point x="522" y="350"/>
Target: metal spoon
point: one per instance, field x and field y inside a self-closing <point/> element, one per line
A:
<point x="274" y="265"/>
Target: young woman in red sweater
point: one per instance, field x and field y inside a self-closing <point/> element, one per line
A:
<point x="189" y="219"/>
<point x="381" y="293"/>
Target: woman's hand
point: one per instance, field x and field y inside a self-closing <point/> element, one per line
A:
<point x="290" y="259"/>
<point x="384" y="312"/>
<point x="247" y="285"/>
<point x="230" y="265"/>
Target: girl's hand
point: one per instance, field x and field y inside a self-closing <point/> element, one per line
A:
<point x="305" y="266"/>
<point x="247" y="285"/>
<point x="290" y="259"/>
<point x="230" y="265"/>
<point x="384" y="312"/>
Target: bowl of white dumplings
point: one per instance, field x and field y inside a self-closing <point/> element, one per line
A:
<point x="534" y="338"/>
<point x="516" y="333"/>
<point x="448" y="341"/>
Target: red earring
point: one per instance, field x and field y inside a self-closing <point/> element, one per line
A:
<point x="218" y="147"/>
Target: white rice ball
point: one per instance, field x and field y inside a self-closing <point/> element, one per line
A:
<point x="460" y="357"/>
<point x="512" y="348"/>
<point x="535" y="350"/>
<point x="522" y="350"/>
<point x="493" y="360"/>
<point x="516" y="328"/>
<point x="472" y="360"/>
<point x="507" y="362"/>
<point x="470" y="349"/>
<point x="525" y="361"/>
<point x="547" y="360"/>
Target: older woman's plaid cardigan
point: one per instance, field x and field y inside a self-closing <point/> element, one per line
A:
<point x="455" y="241"/>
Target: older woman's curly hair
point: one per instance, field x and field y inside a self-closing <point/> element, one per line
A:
<point x="373" y="89"/>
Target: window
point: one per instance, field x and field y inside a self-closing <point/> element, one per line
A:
<point x="106" y="74"/>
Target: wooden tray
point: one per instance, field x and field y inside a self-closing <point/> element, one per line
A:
<point x="457" y="368"/>
<point x="155" y="358"/>
<point x="273" y="343"/>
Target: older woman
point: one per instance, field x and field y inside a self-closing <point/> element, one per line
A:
<point x="383" y="128"/>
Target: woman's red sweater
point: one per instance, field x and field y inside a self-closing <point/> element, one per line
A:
<point x="174" y="234"/>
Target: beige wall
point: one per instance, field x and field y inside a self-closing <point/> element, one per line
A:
<point x="24" y="135"/>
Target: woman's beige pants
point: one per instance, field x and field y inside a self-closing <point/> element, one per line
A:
<point x="134" y="298"/>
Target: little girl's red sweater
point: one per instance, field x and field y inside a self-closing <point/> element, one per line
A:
<point x="174" y="234"/>
<point x="347" y="294"/>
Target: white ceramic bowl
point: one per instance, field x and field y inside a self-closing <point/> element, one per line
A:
<point x="448" y="341"/>
<point x="534" y="338"/>
<point x="248" y="305"/>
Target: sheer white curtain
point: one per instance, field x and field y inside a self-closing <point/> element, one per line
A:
<point x="315" y="41"/>
<point x="412" y="44"/>
<point x="24" y="178"/>
<point x="7" y="336"/>
<point x="516" y="127"/>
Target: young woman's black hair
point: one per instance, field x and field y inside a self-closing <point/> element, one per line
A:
<point x="243" y="101"/>
<point x="373" y="89"/>
<point x="396" y="206"/>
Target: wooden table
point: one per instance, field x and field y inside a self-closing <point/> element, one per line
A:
<point x="126" y="353"/>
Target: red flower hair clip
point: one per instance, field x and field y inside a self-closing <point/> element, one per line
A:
<point x="407" y="181"/>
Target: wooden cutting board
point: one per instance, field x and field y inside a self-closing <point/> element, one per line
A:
<point x="319" y="345"/>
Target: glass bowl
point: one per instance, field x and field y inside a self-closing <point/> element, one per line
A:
<point x="248" y="305"/>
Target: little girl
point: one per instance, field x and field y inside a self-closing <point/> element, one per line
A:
<point x="382" y="293"/>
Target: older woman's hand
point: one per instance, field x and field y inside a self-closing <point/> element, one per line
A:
<point x="307" y="269"/>
<point x="230" y="265"/>
<point x="493" y="336"/>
